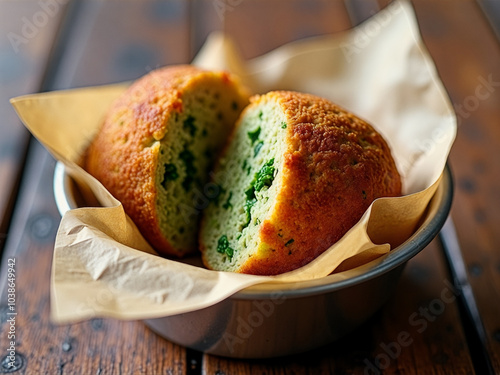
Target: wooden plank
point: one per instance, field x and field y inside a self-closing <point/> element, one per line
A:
<point x="415" y="332"/>
<point x="99" y="346"/>
<point x="207" y="16"/>
<point x="439" y="348"/>
<point x="100" y="48"/>
<point x="360" y="10"/>
<point x="467" y="56"/>
<point x="425" y="307"/>
<point x="259" y="26"/>
<point x="491" y="10"/>
<point x="124" y="41"/>
<point x="26" y="33"/>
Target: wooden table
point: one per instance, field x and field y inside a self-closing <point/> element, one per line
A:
<point x="54" y="44"/>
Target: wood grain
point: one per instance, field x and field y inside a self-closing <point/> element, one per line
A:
<point x="99" y="346"/>
<point x="105" y="43"/>
<point x="259" y="26"/>
<point x="109" y="42"/>
<point x="207" y="16"/>
<point x="123" y="41"/>
<point x="467" y="61"/>
<point x="417" y="331"/>
<point x="26" y="34"/>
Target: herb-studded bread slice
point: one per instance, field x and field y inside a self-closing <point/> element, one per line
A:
<point x="298" y="173"/>
<point x="157" y="145"/>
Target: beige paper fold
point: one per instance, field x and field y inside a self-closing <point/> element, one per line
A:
<point x="102" y="265"/>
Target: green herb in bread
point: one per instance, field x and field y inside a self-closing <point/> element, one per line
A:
<point x="298" y="172"/>
<point x="157" y="145"/>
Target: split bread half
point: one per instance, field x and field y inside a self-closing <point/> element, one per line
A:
<point x="297" y="174"/>
<point x="157" y="145"/>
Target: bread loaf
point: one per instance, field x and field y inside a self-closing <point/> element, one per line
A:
<point x="157" y="145"/>
<point x="297" y="174"/>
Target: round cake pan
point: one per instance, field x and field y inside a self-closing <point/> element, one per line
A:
<point x="269" y="320"/>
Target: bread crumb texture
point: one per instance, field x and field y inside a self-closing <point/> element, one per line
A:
<point x="297" y="174"/>
<point x="157" y="145"/>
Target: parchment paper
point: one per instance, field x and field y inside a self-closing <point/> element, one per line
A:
<point x="380" y="70"/>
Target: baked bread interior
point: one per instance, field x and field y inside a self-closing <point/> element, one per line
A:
<point x="157" y="145"/>
<point x="297" y="174"/>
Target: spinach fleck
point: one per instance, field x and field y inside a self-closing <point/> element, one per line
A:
<point x="257" y="148"/>
<point x="188" y="125"/>
<point x="224" y="248"/>
<point x="170" y="173"/>
<point x="188" y="158"/>
<point x="228" y="201"/>
<point x="248" y="207"/>
<point x="221" y="191"/>
<point x="264" y="177"/>
<point x="254" y="135"/>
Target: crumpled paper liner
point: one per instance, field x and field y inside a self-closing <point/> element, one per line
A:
<point x="102" y="265"/>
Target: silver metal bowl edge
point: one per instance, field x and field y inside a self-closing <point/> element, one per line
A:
<point x="268" y="321"/>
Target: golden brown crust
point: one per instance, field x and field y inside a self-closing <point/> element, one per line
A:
<point x="124" y="154"/>
<point x="334" y="167"/>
